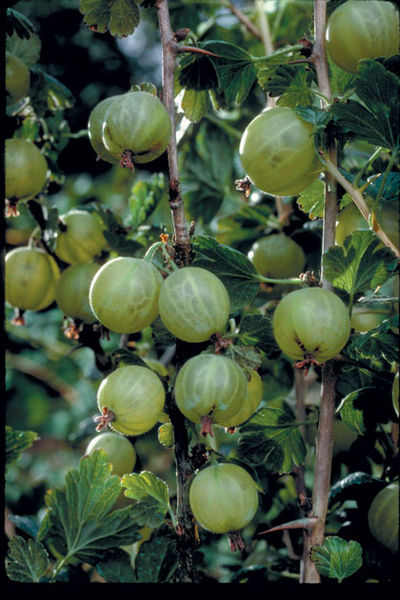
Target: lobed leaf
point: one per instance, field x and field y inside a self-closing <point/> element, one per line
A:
<point x="119" y="17"/>
<point x="151" y="558"/>
<point x="337" y="558"/>
<point x="16" y="442"/>
<point x="256" y="330"/>
<point x="311" y="200"/>
<point x="26" y="561"/>
<point x="235" y="270"/>
<point x="144" y="198"/>
<point x="117" y="567"/>
<point x="152" y="494"/>
<point x="377" y="344"/>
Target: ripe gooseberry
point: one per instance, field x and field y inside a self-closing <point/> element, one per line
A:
<point x="130" y="400"/>
<point x="26" y="170"/>
<point x="358" y="30"/>
<point x="31" y="277"/>
<point x="311" y="324"/>
<point x="95" y="127"/>
<point x="17" y="78"/>
<point x="210" y="388"/>
<point x="224" y="498"/>
<point x="72" y="293"/>
<point x="277" y="256"/>
<point x="383" y="517"/>
<point x="80" y="237"/>
<point x="136" y="128"/>
<point x="124" y="294"/>
<point x="194" y="304"/>
<point x="251" y="402"/>
<point x="120" y="451"/>
<point x="277" y="152"/>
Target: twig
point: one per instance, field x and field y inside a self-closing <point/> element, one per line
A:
<point x="243" y="19"/>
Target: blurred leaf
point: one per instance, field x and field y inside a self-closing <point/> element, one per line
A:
<point x="235" y="270"/>
<point x="277" y="426"/>
<point x="256" y="330"/>
<point x="195" y="104"/>
<point x="123" y="357"/>
<point x="120" y="17"/>
<point x="19" y="24"/>
<point x="377" y="344"/>
<point x="341" y="81"/>
<point x="311" y="200"/>
<point x="117" y="567"/>
<point x="360" y="411"/>
<point x="144" y="198"/>
<point x="152" y="494"/>
<point x="361" y="264"/>
<point x="352" y="486"/>
<point x="17" y="442"/>
<point x="248" y="357"/>
<point x="47" y="93"/>
<point x="337" y="558"/>
<point x="26" y="48"/>
<point x="78" y="521"/>
<point x="296" y="90"/>
<point x="152" y="555"/>
<point x="25" y="523"/>
<point x="26" y="561"/>
<point x="376" y="120"/>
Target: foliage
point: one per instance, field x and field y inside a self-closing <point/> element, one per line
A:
<point x="68" y="518"/>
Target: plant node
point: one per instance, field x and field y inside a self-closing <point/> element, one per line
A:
<point x="127" y="160"/>
<point x="235" y="541"/>
<point x="107" y="416"/>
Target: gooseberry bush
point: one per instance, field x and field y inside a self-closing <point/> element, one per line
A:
<point x="201" y="291"/>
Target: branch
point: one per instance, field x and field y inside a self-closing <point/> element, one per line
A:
<point x="170" y="50"/>
<point x="243" y="19"/>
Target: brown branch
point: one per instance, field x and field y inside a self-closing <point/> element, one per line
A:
<point x="170" y="49"/>
<point x="244" y="20"/>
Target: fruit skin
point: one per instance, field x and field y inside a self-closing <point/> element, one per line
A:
<point x="223" y="498"/>
<point x="365" y="319"/>
<point x="120" y="451"/>
<point x="251" y="402"/>
<point x="18" y="78"/>
<point x="26" y="169"/>
<point x="31" y="277"/>
<point x="194" y="304"/>
<point x="350" y="219"/>
<point x="82" y="239"/>
<point x="277" y="152"/>
<point x="383" y="517"/>
<point x="95" y="127"/>
<point x="124" y="294"/>
<point x="311" y="322"/>
<point x="210" y="385"/>
<point x="277" y="256"/>
<point x="139" y="122"/>
<point x="135" y="395"/>
<point x="72" y="293"/>
<point x="358" y="30"/>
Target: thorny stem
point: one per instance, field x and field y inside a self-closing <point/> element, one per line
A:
<point x="169" y="52"/>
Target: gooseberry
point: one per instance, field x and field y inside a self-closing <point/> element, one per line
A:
<point x="130" y="400"/>
<point x="251" y="402"/>
<point x="383" y="517"/>
<point x="26" y="170"/>
<point x="72" y="293"/>
<point x="124" y="294"/>
<point x="369" y="317"/>
<point x="80" y="237"/>
<point x="350" y="219"/>
<point x="31" y="277"/>
<point x="210" y="388"/>
<point x="223" y="498"/>
<point x="194" y="304"/>
<point x="277" y="152"/>
<point x="17" y="78"/>
<point x="120" y="451"/>
<point x="136" y="128"/>
<point x="311" y="324"/>
<point x="95" y="126"/>
<point x="277" y="256"/>
<point x="358" y="30"/>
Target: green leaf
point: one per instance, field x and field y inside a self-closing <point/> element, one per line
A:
<point x="256" y="330"/>
<point x="144" y="198"/>
<point x="16" y="442"/>
<point x="79" y="521"/>
<point x="47" y="93"/>
<point x="276" y="429"/>
<point x="337" y="558"/>
<point x="299" y="91"/>
<point x="117" y="567"/>
<point x="375" y="120"/>
<point x="18" y="23"/>
<point x="235" y="270"/>
<point x="235" y="70"/>
<point x="26" y="561"/>
<point x="197" y="72"/>
<point x="311" y="200"/>
<point x="377" y="344"/>
<point x="359" y="265"/>
<point x="352" y="416"/>
<point x="151" y="558"/>
<point x="340" y="81"/>
<point x="26" y="48"/>
<point x="120" y="17"/>
<point x="248" y="357"/>
<point x="152" y="494"/>
<point x="352" y="487"/>
<point x="195" y="104"/>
